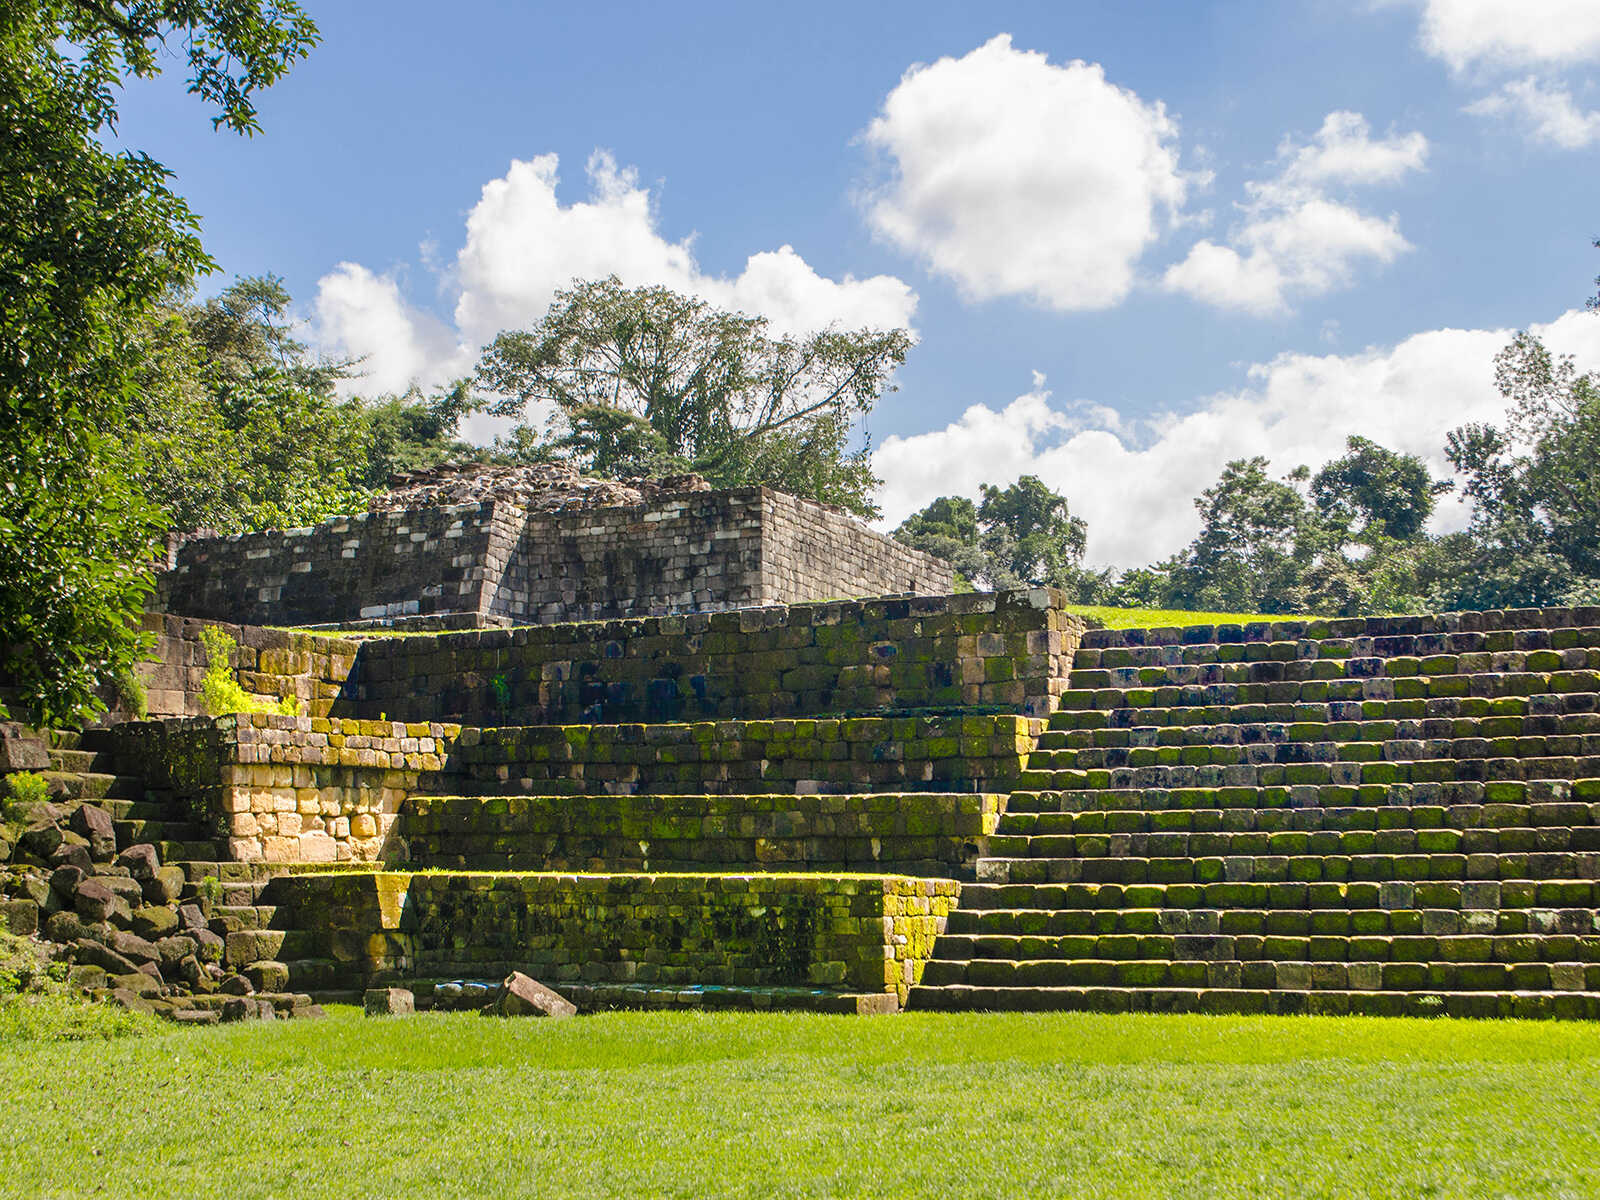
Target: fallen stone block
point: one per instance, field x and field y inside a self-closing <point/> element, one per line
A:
<point x="20" y="917"/>
<point x="388" y="1002"/>
<point x="141" y="861"/>
<point x="94" y="902"/>
<point x="154" y="921"/>
<point x="520" y="996"/>
<point x="267" y="975"/>
<point x="164" y="887"/>
<point x="93" y="824"/>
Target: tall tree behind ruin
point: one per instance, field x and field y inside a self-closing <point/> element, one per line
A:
<point x="645" y="380"/>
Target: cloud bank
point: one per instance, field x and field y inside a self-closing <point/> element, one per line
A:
<point x="1135" y="481"/>
<point x="522" y="245"/>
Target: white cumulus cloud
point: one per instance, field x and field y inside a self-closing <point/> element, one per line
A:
<point x="1547" y="112"/>
<point x="1295" y="238"/>
<point x="522" y="245"/>
<point x="1135" y="483"/>
<point x="1014" y="176"/>
<point x="1501" y="34"/>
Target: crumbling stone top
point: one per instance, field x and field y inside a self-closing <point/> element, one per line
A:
<point x="543" y="486"/>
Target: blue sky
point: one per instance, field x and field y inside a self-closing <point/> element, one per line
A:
<point x="1134" y="239"/>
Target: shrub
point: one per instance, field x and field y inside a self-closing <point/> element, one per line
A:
<point x="25" y="787"/>
<point x="220" y="692"/>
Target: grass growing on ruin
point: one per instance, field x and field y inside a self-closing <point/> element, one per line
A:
<point x="1103" y="617"/>
<point x="685" y="1104"/>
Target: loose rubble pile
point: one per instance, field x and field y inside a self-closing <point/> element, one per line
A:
<point x="133" y="931"/>
<point x="540" y="487"/>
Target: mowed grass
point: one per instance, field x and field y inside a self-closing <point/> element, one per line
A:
<point x="1162" y="618"/>
<point x="702" y="1105"/>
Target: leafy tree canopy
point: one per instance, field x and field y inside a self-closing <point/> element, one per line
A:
<point x="645" y="380"/>
<point x="1017" y="536"/>
<point x="91" y="242"/>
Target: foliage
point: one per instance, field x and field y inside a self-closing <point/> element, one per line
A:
<point x="1018" y="536"/>
<point x="91" y="241"/>
<point x="1535" y="532"/>
<point x="220" y="692"/>
<point x="645" y="380"/>
<point x="26" y="787"/>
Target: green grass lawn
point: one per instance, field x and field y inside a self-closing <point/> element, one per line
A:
<point x="704" y="1105"/>
<point x="1161" y="618"/>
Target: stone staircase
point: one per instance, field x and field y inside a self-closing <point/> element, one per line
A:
<point x="83" y="769"/>
<point x="1396" y="815"/>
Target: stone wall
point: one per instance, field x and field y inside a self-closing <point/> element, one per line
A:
<point x="286" y="789"/>
<point x="939" y="834"/>
<point x="1007" y="651"/>
<point x="829" y="755"/>
<point x="850" y="932"/>
<point x="368" y="566"/>
<point x="496" y="562"/>
<point x="270" y="664"/>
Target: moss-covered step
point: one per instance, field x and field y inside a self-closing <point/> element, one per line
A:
<point x="941" y="752"/>
<point x="930" y="833"/>
<point x="845" y="932"/>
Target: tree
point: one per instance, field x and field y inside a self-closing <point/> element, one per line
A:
<point x="1374" y="493"/>
<point x="948" y="528"/>
<point x="1018" y="536"/>
<point x="718" y="392"/>
<point x="1255" y="542"/>
<point x="1535" y="532"/>
<point x="91" y="242"/>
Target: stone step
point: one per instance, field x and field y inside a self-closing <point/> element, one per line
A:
<point x="1308" y="868"/>
<point x="1302" y="667"/>
<point x="1273" y="947"/>
<point x="1333" y="1002"/>
<point x="320" y="975"/>
<point x="1480" y="685"/>
<point x="231" y="918"/>
<point x="1266" y="974"/>
<point x="1038" y="820"/>
<point x="79" y="761"/>
<point x="1519" y="622"/>
<point x="1349" y="843"/>
<point x="1322" y="711"/>
<point x="1505" y="645"/>
<point x="1363" y="895"/>
<point x="93" y="785"/>
<point x="1349" y="774"/>
<point x="1447" y="794"/>
<point x="244" y="946"/>
<point x="131" y="830"/>
<point x="1286" y="753"/>
<point x="1354" y="730"/>
<point x="1477" y="913"/>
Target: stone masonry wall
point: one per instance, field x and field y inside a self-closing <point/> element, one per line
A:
<point x="812" y="552"/>
<point x="852" y="932"/>
<point x="287" y="789"/>
<point x="1007" y="651"/>
<point x="371" y="565"/>
<point x="270" y="664"/>
<point x="938" y="834"/>
<point x="699" y="551"/>
<point x="937" y="753"/>
<point x="496" y="563"/>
